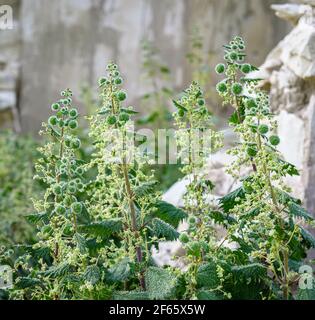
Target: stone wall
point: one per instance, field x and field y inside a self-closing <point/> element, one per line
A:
<point x="66" y="43"/>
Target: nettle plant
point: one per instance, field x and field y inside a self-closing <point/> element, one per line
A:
<point x="52" y="267"/>
<point x="128" y="216"/>
<point x="269" y="225"/>
<point x="196" y="140"/>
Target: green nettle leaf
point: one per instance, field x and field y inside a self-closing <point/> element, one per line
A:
<point x="169" y="213"/>
<point x="104" y="228"/>
<point x="207" y="276"/>
<point x="285" y="198"/>
<point x="161" y="283"/>
<point x="289" y="168"/>
<point x="229" y="201"/>
<point x="57" y="271"/>
<point x="26" y="282"/>
<point x="253" y="270"/>
<point x="35" y="218"/>
<point x="208" y="295"/>
<point x="308" y="237"/>
<point x="81" y="243"/>
<point x="179" y="106"/>
<point x="92" y="274"/>
<point x="298" y="211"/>
<point x="221" y="218"/>
<point x="161" y="229"/>
<point x="120" y="271"/>
<point x="145" y="188"/>
<point x="129" y="111"/>
<point x="130" y="295"/>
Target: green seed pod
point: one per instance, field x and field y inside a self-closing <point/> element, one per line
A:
<point x="76" y="207"/>
<point x="246" y="68"/>
<point x="79" y="171"/>
<point x="72" y="189"/>
<point x="60" y="209"/>
<point x="121" y="95"/>
<point x="183" y="238"/>
<point x="61" y="123"/>
<point x="274" y="140"/>
<point x="57" y="189"/>
<point x="76" y="143"/>
<point x="73" y="124"/>
<point x="220" y="68"/>
<point x="47" y="229"/>
<point x="73" y="113"/>
<point x="53" y="120"/>
<point x="68" y="200"/>
<point x="201" y="102"/>
<point x="63" y="93"/>
<point x="194" y="248"/>
<point x="250" y="103"/>
<point x="221" y="87"/>
<point x="192" y="220"/>
<point x="55" y="107"/>
<point x="263" y="129"/>
<point x="233" y="55"/>
<point x="124" y="117"/>
<point x="251" y="151"/>
<point x="111" y="120"/>
<point x="237" y="88"/>
<point x="64" y="111"/>
<point x="118" y="80"/>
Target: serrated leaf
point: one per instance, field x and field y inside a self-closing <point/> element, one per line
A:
<point x="163" y="230"/>
<point x="229" y="201"/>
<point x="207" y="276"/>
<point x="92" y="274"/>
<point x="161" y="283"/>
<point x="57" y="271"/>
<point x="81" y="243"/>
<point x="306" y="294"/>
<point x="130" y="295"/>
<point x="120" y="271"/>
<point x="298" y="211"/>
<point x="129" y="111"/>
<point x="253" y="270"/>
<point x="169" y="213"/>
<point x="308" y="237"/>
<point x="104" y="228"/>
<point x="26" y="282"/>
<point x="145" y="188"/>
<point x="179" y="106"/>
<point x="35" y="218"/>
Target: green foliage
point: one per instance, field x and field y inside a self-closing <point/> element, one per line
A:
<point x="161" y="283"/>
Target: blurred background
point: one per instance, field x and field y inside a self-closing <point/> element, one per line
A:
<point x="160" y="47"/>
<point x="67" y="43"/>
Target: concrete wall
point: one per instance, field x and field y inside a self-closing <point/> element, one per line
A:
<point x="65" y="43"/>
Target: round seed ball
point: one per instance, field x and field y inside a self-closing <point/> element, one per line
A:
<point x="60" y="209"/>
<point x="111" y="120"/>
<point x="221" y="87"/>
<point x="220" y="68"/>
<point x="237" y="88"/>
<point x="183" y="238"/>
<point x="73" y="124"/>
<point x="76" y="143"/>
<point x="121" y="95"/>
<point x="55" y="107"/>
<point x="53" y="120"/>
<point x="263" y="129"/>
<point x="76" y="207"/>
<point x="246" y="68"/>
<point x="251" y="151"/>
<point x="274" y="140"/>
<point x="73" y="113"/>
<point x="124" y="117"/>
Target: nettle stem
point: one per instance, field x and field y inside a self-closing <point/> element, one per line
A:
<point x="285" y="253"/>
<point x="133" y="221"/>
